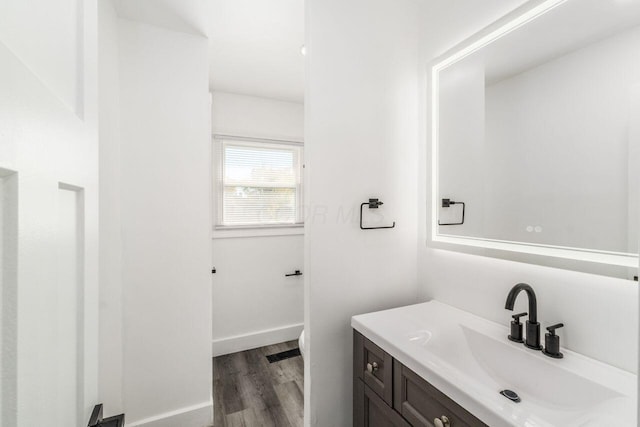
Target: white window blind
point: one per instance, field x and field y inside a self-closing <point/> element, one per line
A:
<point x="259" y="183"/>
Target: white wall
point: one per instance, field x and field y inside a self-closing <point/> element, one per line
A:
<point x="254" y="304"/>
<point x="166" y="218"/>
<point x="35" y="30"/>
<point x="48" y="163"/>
<point x="633" y="171"/>
<point x="361" y="134"/>
<point x="111" y="350"/>
<point x="242" y="115"/>
<point x="156" y="199"/>
<point x="600" y="313"/>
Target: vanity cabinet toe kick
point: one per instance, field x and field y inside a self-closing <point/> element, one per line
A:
<point x="388" y="394"/>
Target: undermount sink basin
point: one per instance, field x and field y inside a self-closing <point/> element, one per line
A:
<point x="470" y="359"/>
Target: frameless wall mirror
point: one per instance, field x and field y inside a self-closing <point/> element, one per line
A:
<point x="536" y="138"/>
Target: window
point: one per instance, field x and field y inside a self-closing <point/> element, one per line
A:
<point x="259" y="182"/>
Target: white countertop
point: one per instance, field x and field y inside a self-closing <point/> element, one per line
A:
<point x="470" y="360"/>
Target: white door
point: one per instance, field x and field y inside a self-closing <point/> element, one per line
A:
<point x="48" y="220"/>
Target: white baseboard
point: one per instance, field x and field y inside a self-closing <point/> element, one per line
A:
<point x="200" y="415"/>
<point x="244" y="342"/>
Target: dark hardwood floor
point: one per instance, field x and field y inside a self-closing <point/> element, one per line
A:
<point x="249" y="391"/>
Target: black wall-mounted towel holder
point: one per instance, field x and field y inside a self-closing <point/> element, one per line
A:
<point x="447" y="203"/>
<point x="373" y="204"/>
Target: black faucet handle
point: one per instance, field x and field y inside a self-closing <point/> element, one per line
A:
<point x="552" y="342"/>
<point x="516" y="328"/>
<point x="517" y="317"/>
<point x="552" y="328"/>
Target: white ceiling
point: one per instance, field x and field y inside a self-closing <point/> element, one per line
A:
<point x="187" y="16"/>
<point x="255" y="48"/>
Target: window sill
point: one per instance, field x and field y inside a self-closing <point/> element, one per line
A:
<point x="231" y="232"/>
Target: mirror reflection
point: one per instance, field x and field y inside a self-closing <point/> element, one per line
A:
<point x="539" y="132"/>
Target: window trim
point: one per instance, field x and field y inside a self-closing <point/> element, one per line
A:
<point x="220" y="230"/>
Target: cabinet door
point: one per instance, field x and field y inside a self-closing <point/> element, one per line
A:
<point x="373" y="366"/>
<point x="420" y="403"/>
<point x="371" y="411"/>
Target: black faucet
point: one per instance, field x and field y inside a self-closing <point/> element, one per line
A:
<point x="533" y="327"/>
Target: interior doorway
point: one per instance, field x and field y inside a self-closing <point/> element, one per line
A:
<point x="257" y="98"/>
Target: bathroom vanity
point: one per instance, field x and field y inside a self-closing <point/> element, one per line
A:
<point x="431" y="364"/>
<point x="387" y="392"/>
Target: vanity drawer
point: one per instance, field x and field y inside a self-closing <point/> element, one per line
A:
<point x="420" y="403"/>
<point x="371" y="411"/>
<point x="373" y="366"/>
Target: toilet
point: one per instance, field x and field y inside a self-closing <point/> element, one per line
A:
<point x="301" y="343"/>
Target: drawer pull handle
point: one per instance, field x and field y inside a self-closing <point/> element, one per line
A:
<point x="441" y="422"/>
<point x="372" y="367"/>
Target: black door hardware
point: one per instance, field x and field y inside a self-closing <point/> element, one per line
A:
<point x="96" y="419"/>
<point x="213" y="271"/>
<point x="373" y="204"/>
<point x="447" y="203"/>
<point x="295" y="273"/>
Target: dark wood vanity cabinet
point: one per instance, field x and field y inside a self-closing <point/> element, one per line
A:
<point x="375" y="368"/>
<point x="374" y="412"/>
<point x="388" y="394"/>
